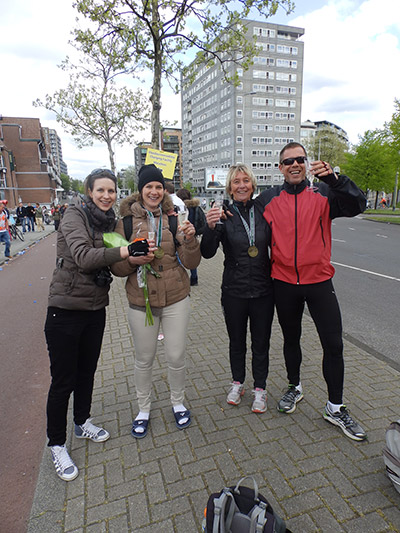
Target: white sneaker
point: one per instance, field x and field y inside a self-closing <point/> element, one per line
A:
<point x="260" y="401"/>
<point x="90" y="431"/>
<point x="235" y="394"/>
<point x="65" y="467"/>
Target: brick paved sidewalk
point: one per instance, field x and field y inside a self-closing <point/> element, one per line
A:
<point x="314" y="476"/>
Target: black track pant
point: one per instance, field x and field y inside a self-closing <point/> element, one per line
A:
<point x="74" y="341"/>
<point x="324" y="309"/>
<point x="260" y="312"/>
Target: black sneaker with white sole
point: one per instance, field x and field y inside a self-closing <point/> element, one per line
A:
<point x="287" y="404"/>
<point x="348" y="425"/>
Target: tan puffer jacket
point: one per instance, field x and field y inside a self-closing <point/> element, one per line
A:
<point x="173" y="284"/>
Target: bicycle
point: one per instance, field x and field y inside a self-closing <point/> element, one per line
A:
<point x="16" y="233"/>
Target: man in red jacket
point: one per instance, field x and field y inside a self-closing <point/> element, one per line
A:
<point x="299" y="214"/>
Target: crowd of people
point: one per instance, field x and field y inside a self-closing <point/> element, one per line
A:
<point x="30" y="217"/>
<point x="277" y="255"/>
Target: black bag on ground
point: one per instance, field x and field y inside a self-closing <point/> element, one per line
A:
<point x="391" y="454"/>
<point x="241" y="510"/>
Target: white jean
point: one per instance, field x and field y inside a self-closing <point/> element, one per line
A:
<point x="174" y="321"/>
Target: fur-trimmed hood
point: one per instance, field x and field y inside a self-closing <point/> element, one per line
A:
<point x="193" y="202"/>
<point x="125" y="207"/>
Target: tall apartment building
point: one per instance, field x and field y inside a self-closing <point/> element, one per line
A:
<point x="54" y="141"/>
<point x="250" y="123"/>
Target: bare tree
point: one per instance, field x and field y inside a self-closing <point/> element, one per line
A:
<point x="92" y="106"/>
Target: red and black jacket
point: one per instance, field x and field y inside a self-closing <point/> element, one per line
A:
<point x="300" y="220"/>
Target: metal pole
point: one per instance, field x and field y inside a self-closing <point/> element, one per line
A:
<point x="394" y="199"/>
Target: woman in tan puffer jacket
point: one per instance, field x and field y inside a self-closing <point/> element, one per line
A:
<point x="168" y="292"/>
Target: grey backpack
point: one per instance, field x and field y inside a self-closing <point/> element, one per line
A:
<point x="391" y="454"/>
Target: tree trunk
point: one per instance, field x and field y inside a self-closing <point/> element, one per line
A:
<point x="111" y="156"/>
<point x="155" y="98"/>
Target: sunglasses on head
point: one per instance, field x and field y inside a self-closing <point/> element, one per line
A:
<point x="290" y="160"/>
<point x="102" y="171"/>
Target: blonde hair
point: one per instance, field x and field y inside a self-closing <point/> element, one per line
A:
<point x="234" y="170"/>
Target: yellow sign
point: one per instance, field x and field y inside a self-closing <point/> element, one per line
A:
<point x="165" y="161"/>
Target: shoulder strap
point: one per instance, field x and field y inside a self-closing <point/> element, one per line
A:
<point x="127" y="226"/>
<point x="173" y="226"/>
<point x="222" y="524"/>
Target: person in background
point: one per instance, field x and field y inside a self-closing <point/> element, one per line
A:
<point x="56" y="217"/>
<point x="178" y="203"/>
<point x="197" y="218"/>
<point x="299" y="215"/>
<point x="167" y="286"/>
<point x="21" y="215"/>
<point x="39" y="217"/>
<point x="4" y="231"/>
<point x="247" y="294"/>
<point x="76" y="315"/>
<point x="30" y="215"/>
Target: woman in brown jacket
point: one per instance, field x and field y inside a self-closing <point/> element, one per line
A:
<point x="76" y="314"/>
<point x="168" y="290"/>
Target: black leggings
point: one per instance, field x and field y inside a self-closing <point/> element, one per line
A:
<point x="324" y="309"/>
<point x="74" y="341"/>
<point x="260" y="312"/>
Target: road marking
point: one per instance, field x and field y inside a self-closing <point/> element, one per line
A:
<point x="352" y="229"/>
<point x="366" y="271"/>
<point x="383" y="236"/>
<point x="338" y="240"/>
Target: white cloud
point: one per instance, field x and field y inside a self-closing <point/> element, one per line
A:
<point x="351" y="73"/>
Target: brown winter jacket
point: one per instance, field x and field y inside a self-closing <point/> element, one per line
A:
<point x="78" y="257"/>
<point x="173" y="284"/>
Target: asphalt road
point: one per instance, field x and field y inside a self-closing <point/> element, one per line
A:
<point x="24" y="379"/>
<point x="366" y="256"/>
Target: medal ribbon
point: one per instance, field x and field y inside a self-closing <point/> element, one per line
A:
<point x="251" y="231"/>
<point x="159" y="231"/>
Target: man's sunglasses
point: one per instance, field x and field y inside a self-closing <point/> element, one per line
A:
<point x="290" y="160"/>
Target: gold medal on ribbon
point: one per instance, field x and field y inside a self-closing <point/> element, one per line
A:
<point x="252" y="251"/>
<point x="159" y="253"/>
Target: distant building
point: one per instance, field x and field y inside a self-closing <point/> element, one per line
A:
<point x="223" y="124"/>
<point x="337" y="130"/>
<point x="140" y="156"/>
<point x="307" y="131"/>
<point x="170" y="141"/>
<point x="52" y="139"/>
<point x="27" y="166"/>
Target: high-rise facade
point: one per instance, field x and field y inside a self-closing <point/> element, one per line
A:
<point x="224" y="124"/>
<point x="54" y="141"/>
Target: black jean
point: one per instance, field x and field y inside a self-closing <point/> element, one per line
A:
<point x="324" y="309"/>
<point x="74" y="342"/>
<point x="260" y="312"/>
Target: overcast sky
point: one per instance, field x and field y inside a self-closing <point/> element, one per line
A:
<point x="351" y="67"/>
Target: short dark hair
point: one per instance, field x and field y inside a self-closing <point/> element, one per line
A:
<point x="169" y="186"/>
<point x="96" y="174"/>
<point x="184" y="194"/>
<point x="288" y="146"/>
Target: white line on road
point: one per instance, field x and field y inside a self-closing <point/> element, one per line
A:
<point x="383" y="236"/>
<point x="352" y="229"/>
<point x="338" y="240"/>
<point x="366" y="271"/>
